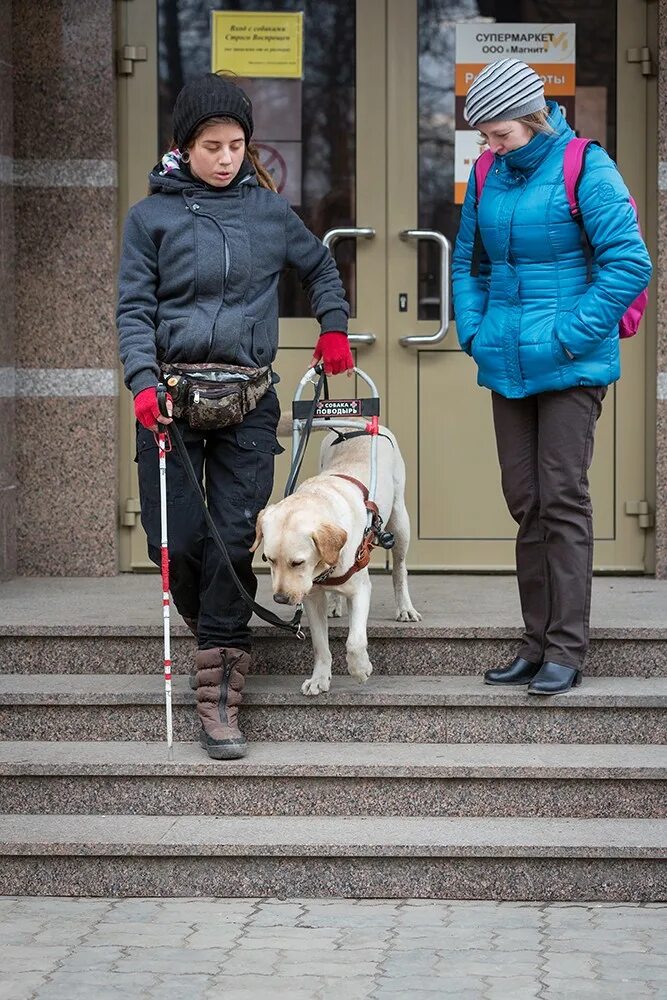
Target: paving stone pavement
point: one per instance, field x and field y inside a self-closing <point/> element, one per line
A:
<point x="325" y="949"/>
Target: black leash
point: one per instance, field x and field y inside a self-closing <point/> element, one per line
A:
<point x="322" y="384"/>
<point x="294" y="625"/>
<point x="342" y="438"/>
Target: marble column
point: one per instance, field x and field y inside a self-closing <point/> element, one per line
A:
<point x="8" y="490"/>
<point x="66" y="219"/>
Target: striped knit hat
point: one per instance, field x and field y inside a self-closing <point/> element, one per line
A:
<point x="504" y="90"/>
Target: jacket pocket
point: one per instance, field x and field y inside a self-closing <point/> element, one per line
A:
<point x="173" y="339"/>
<point x="262" y="351"/>
<point x="561" y="355"/>
<point x="473" y="343"/>
<point x="478" y="339"/>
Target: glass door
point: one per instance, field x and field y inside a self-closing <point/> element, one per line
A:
<point x="322" y="137"/>
<point x="459" y="519"/>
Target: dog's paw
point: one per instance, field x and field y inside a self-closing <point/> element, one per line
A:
<point x="408" y="614"/>
<point x="334" y="605"/>
<point x="316" y="685"/>
<point x="361" y="670"/>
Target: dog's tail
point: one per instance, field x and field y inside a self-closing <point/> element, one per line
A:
<point x="284" y="428"/>
<point x="284" y="425"/>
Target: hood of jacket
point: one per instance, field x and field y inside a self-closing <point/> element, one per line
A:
<point x="171" y="176"/>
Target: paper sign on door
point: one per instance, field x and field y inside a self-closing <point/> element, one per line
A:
<point x="257" y="44"/>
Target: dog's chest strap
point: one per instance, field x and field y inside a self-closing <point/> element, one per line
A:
<point x="368" y="542"/>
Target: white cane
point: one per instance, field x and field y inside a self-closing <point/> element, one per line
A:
<point x="162" y="438"/>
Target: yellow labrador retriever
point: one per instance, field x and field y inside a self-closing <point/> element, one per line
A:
<point x="315" y="533"/>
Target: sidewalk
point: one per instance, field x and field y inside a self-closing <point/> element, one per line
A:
<point x="336" y="949"/>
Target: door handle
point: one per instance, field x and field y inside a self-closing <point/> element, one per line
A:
<point x="330" y="239"/>
<point x="417" y="340"/>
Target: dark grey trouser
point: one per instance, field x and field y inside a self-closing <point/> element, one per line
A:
<point x="545" y="448"/>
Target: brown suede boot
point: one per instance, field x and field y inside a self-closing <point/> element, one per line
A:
<point x="192" y="625"/>
<point x="221" y="675"/>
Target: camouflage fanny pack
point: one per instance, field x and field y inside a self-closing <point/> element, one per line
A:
<point x="210" y="396"/>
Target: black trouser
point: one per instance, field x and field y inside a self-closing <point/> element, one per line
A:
<point x="545" y="448"/>
<point x="237" y="466"/>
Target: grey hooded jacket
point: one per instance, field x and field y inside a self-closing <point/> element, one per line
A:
<point x="199" y="272"/>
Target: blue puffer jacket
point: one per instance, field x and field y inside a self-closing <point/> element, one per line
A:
<point x="530" y="320"/>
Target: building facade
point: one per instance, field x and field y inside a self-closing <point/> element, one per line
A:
<point x="364" y="139"/>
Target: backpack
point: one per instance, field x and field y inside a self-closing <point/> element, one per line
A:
<point x="573" y="167"/>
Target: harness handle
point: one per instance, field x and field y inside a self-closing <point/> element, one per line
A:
<point x="322" y="386"/>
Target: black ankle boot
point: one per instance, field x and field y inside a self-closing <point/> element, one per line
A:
<point x="519" y="672"/>
<point x="554" y="678"/>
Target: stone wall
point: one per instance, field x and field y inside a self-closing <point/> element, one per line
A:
<point x="66" y="220"/>
<point x="8" y="491"/>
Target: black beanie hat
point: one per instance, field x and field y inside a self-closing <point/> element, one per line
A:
<point x="210" y="96"/>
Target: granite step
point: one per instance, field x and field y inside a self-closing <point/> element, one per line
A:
<point x="329" y="779"/>
<point x="114" y="625"/>
<point x="610" y="860"/>
<point x="395" y="648"/>
<point x="386" y="709"/>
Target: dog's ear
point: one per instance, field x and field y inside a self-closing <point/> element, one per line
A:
<point x="259" y="534"/>
<point x="329" y="540"/>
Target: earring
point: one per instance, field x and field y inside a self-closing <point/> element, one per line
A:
<point x="185" y="157"/>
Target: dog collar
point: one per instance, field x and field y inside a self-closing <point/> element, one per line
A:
<point x="324" y="576"/>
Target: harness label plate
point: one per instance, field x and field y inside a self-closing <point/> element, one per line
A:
<point x="339" y="408"/>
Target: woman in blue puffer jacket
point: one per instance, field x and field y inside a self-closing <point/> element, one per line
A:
<point x="546" y="343"/>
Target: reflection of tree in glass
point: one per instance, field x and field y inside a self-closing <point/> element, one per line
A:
<point x="437" y="61"/>
<point x="328" y="107"/>
<point x="596" y="66"/>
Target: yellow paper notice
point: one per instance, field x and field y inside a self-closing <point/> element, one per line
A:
<point x="257" y="44"/>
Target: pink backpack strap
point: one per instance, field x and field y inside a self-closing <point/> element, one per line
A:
<point x="573" y="169"/>
<point x="483" y="164"/>
<point x="573" y="166"/>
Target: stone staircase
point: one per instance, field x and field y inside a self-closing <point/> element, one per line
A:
<point x="424" y="782"/>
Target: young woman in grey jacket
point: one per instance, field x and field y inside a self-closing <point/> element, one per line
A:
<point x="198" y="283"/>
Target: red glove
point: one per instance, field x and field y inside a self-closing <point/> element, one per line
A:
<point x="333" y="349"/>
<point x="146" y="409"/>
